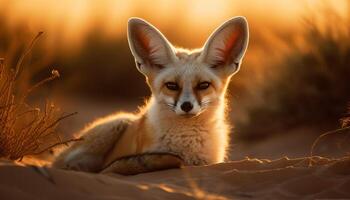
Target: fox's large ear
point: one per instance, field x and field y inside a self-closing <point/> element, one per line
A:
<point x="151" y="49"/>
<point x="226" y="46"/>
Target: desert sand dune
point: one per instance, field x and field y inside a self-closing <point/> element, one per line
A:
<point x="246" y="179"/>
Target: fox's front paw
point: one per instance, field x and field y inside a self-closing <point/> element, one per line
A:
<point x="80" y="161"/>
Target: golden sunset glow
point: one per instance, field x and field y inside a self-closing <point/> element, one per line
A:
<point x="72" y="20"/>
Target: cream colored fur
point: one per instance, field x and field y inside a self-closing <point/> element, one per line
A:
<point x="199" y="135"/>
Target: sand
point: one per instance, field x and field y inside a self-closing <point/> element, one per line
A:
<point x="246" y="179"/>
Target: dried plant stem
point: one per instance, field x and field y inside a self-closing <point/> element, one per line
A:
<point x="57" y="144"/>
<point x="314" y="144"/>
<point x="25" y="130"/>
<point x="25" y="53"/>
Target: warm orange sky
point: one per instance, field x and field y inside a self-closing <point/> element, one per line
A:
<point x="194" y="19"/>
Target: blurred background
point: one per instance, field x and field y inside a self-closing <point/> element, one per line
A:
<point x="294" y="83"/>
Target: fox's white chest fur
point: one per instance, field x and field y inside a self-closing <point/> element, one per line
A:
<point x="197" y="140"/>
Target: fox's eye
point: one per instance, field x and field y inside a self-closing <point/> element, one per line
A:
<point x="172" y="86"/>
<point x="203" y="85"/>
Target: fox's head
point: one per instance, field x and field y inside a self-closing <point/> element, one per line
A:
<point x="188" y="82"/>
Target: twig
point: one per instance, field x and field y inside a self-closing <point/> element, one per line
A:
<point x="56" y="144"/>
<point x="56" y="122"/>
<point x="54" y="75"/>
<point x="340" y="131"/>
<point x="24" y="54"/>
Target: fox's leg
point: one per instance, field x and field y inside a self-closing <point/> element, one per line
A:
<point x="142" y="163"/>
<point x="88" y="154"/>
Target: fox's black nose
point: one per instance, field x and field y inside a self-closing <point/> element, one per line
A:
<point x="186" y="106"/>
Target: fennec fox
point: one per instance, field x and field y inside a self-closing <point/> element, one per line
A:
<point x="184" y="117"/>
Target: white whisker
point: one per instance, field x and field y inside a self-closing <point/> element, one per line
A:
<point x="171" y="106"/>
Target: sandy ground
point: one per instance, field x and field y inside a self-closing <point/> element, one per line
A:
<point x="246" y="179"/>
<point x="272" y="176"/>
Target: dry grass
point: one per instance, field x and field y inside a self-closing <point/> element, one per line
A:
<point x="311" y="85"/>
<point x="25" y="130"/>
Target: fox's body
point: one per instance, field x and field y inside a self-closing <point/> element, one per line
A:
<point x="198" y="141"/>
<point x="185" y="116"/>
